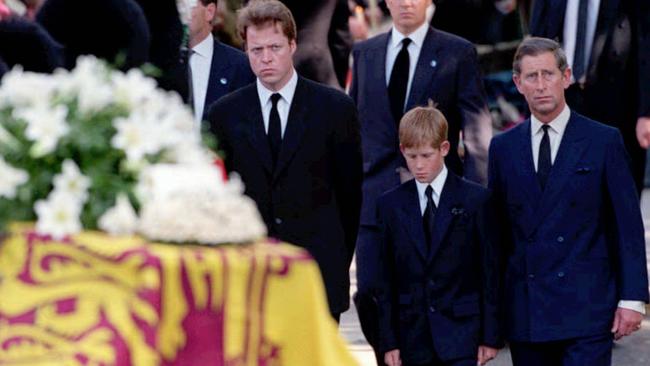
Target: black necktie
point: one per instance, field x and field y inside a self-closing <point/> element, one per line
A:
<point x="544" y="158"/>
<point x="399" y="79"/>
<point x="581" y="41"/>
<point x="429" y="215"/>
<point x="275" y="129"/>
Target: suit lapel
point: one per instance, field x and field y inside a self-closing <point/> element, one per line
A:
<point x="219" y="70"/>
<point x="604" y="24"/>
<point x="572" y="147"/>
<point x="425" y="69"/>
<point x="547" y="19"/>
<point x="296" y="126"/>
<point x="449" y="198"/>
<point x="255" y="129"/>
<point x="376" y="58"/>
<point x="412" y="216"/>
<point x="528" y="176"/>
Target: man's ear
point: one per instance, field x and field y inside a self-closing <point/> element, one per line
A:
<point x="444" y="148"/>
<point x="516" y="78"/>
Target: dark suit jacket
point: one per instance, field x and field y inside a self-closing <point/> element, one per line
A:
<point x="447" y="72"/>
<point x="312" y="197"/>
<point x="616" y="90"/>
<point x="26" y="43"/>
<point x="317" y="23"/>
<point x="104" y="28"/>
<point x="229" y="71"/>
<point x="575" y="249"/>
<point x="442" y="295"/>
<point x="166" y="32"/>
<point x="3" y="67"/>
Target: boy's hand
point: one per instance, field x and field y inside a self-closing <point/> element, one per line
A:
<point x="391" y="358"/>
<point x="485" y="354"/>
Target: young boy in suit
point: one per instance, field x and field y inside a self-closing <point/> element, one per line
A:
<point x="438" y="296"/>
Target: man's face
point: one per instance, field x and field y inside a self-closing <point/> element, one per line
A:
<point x="201" y="23"/>
<point x="270" y="54"/>
<point x="425" y="162"/>
<point x="408" y="15"/>
<point x="542" y="84"/>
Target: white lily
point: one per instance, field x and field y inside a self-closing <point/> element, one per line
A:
<point x="72" y="182"/>
<point x="58" y="216"/>
<point x="10" y="179"/>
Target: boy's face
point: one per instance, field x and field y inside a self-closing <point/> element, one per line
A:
<point x="425" y="162"/>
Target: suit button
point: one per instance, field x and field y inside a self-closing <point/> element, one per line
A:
<point x="531" y="239"/>
<point x="432" y="283"/>
<point x="432" y="309"/>
<point x="531" y="276"/>
<point x="560" y="239"/>
<point x="278" y="220"/>
<point x="560" y="274"/>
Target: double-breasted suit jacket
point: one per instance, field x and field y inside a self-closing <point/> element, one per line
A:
<point x="576" y="248"/>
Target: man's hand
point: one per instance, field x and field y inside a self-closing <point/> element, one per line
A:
<point x="626" y="322"/>
<point x="643" y="131"/>
<point x="485" y="354"/>
<point x="391" y="358"/>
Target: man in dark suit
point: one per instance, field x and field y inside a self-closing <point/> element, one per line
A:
<point x="575" y="261"/>
<point x="216" y="69"/>
<point x="394" y="72"/>
<point x="608" y="48"/>
<point x="296" y="146"/>
<point x="438" y="298"/>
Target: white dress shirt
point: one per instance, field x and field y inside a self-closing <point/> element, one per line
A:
<point x="555" y="133"/>
<point x="284" y="103"/>
<point x="437" y="184"/>
<point x="571" y="30"/>
<point x="414" y="48"/>
<point x="200" y="63"/>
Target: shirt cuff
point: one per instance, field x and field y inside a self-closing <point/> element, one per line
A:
<point x="638" y="306"/>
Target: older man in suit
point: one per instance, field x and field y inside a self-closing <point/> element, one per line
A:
<point x="392" y="73"/>
<point x="608" y="47"/>
<point x="296" y="146"/>
<point x="575" y="268"/>
<point x="216" y="69"/>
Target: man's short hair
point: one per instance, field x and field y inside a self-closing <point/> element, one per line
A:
<point x="534" y="46"/>
<point x="261" y="12"/>
<point x="423" y="126"/>
<point x="208" y="2"/>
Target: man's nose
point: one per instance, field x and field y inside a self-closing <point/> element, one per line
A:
<point x="267" y="54"/>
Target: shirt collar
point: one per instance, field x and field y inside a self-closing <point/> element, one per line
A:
<point x="558" y="124"/>
<point x="205" y="47"/>
<point x="437" y="184"/>
<point x="287" y="91"/>
<point x="417" y="37"/>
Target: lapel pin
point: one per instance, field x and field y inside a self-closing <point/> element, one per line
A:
<point x="434" y="63"/>
<point x="223" y="81"/>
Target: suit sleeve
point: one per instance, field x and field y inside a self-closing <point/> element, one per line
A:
<point x="348" y="172"/>
<point x="476" y="120"/>
<point x="216" y="118"/>
<point x="629" y="241"/>
<point x="385" y="290"/>
<point x="486" y="235"/>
